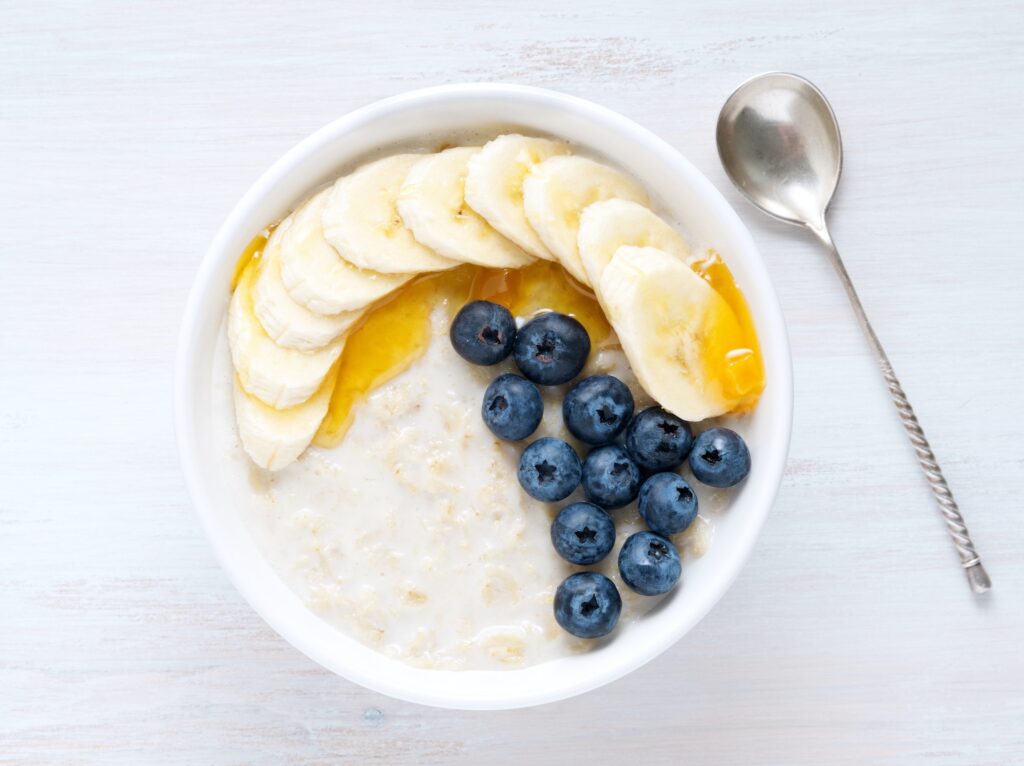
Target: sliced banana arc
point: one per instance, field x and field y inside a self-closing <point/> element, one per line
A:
<point x="670" y="322"/>
<point x="556" y="192"/>
<point x="274" y="438"/>
<point x="289" y="324"/>
<point x="280" y="377"/>
<point x="494" y="185"/>
<point x="317" y="277"/>
<point x="607" y="226"/>
<point x="361" y="220"/>
<point x="517" y="198"/>
<point x="433" y="206"/>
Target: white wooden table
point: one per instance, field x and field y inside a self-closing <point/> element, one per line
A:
<point x="127" y="131"/>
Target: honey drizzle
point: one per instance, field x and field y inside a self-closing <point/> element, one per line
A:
<point x="397" y="331"/>
<point x="740" y="370"/>
<point x="542" y="286"/>
<point x="386" y="341"/>
<point x="251" y="254"/>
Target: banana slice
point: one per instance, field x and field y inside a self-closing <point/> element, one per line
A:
<point x="677" y="332"/>
<point x="607" y="226"/>
<point x="361" y="220"/>
<point x="494" y="186"/>
<point x="274" y="438"/>
<point x="556" y="192"/>
<point x="320" y="279"/>
<point x="288" y="323"/>
<point x="280" y="377"/>
<point x="433" y="207"/>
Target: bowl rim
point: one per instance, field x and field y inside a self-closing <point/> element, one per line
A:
<point x="200" y="293"/>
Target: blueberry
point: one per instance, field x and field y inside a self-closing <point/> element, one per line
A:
<point x="720" y="458"/>
<point x="649" y="563"/>
<point x="610" y="477"/>
<point x="512" y="407"/>
<point x="582" y="533"/>
<point x="658" y="440"/>
<point x="597" y="409"/>
<point x="587" y="604"/>
<point x="667" y="503"/>
<point x="483" y="332"/>
<point x="549" y="469"/>
<point x="551" y="349"/>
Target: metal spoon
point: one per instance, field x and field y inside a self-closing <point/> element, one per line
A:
<point x="779" y="142"/>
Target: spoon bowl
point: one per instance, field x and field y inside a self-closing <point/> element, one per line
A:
<point x="779" y="142"/>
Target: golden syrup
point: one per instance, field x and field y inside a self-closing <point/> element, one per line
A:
<point x="542" y="286"/>
<point x="391" y="336"/>
<point x="397" y="331"/>
<point x="735" y="361"/>
<point x="251" y="254"/>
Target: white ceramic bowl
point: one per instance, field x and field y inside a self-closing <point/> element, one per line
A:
<point x="449" y="110"/>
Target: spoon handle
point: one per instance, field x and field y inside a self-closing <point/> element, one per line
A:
<point x="977" y="577"/>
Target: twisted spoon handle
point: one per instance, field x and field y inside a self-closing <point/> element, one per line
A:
<point x="977" y="577"/>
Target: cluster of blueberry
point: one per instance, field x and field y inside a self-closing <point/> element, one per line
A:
<point x="552" y="349"/>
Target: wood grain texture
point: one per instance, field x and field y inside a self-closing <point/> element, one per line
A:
<point x="128" y="130"/>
